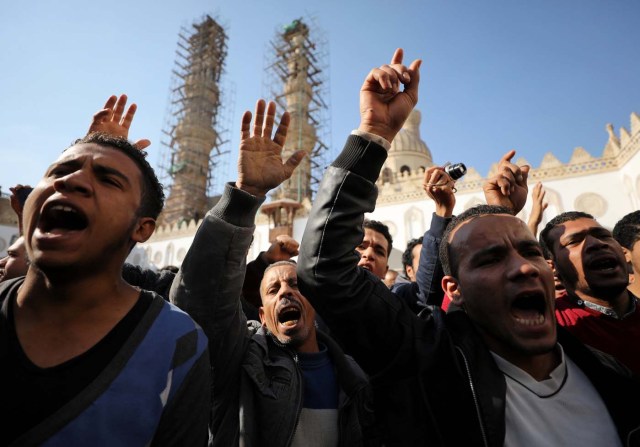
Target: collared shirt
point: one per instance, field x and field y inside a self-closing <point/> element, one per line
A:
<point x="609" y="311"/>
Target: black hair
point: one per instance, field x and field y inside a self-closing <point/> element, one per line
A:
<point x="382" y="229"/>
<point x="407" y="255"/>
<point x="152" y="199"/>
<point x="627" y="230"/>
<point x="449" y="262"/>
<point x="545" y="240"/>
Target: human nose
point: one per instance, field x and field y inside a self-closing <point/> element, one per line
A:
<point x="522" y="267"/>
<point x="368" y="253"/>
<point x="3" y="261"/>
<point x="76" y="181"/>
<point x="593" y="243"/>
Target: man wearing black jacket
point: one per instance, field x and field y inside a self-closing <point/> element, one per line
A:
<point x="443" y="379"/>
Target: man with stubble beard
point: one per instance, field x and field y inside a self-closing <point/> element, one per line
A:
<point x="280" y="381"/>
<point x="597" y="308"/>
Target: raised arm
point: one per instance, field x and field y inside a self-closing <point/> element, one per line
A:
<point x="537" y="210"/>
<point x="283" y="248"/>
<point x="439" y="187"/>
<point x="113" y="120"/>
<point x="358" y="308"/>
<point x="209" y="283"/>
<point x="509" y="186"/>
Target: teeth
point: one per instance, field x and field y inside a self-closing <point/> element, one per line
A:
<point x="531" y="322"/>
<point x="66" y="209"/>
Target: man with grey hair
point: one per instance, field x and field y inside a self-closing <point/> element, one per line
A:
<point x="280" y="381"/>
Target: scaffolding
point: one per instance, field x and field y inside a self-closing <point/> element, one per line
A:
<point x="195" y="142"/>
<point x="297" y="80"/>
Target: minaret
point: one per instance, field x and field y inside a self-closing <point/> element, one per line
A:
<point x="297" y="67"/>
<point x="299" y="87"/>
<point x="194" y="133"/>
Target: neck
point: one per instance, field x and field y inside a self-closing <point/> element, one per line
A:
<point x="538" y="366"/>
<point x="69" y="297"/>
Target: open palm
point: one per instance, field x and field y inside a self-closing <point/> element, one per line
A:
<point x="260" y="164"/>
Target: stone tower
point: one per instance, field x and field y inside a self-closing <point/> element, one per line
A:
<point x="299" y="88"/>
<point x="193" y="130"/>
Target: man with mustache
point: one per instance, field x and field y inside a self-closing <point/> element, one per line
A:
<point x="279" y="382"/>
<point x="597" y="308"/>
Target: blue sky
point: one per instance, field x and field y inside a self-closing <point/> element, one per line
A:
<point x="534" y="76"/>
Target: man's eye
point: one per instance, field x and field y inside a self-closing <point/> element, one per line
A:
<point x="533" y="252"/>
<point x="111" y="181"/>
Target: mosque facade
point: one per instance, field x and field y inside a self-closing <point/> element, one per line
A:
<point x="606" y="186"/>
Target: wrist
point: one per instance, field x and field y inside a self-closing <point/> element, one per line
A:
<point x="444" y="211"/>
<point x="380" y="131"/>
<point x="257" y="192"/>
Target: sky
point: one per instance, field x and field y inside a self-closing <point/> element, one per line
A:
<point x="538" y="77"/>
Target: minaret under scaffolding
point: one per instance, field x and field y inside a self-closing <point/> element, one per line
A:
<point x="195" y="143"/>
<point x="299" y="84"/>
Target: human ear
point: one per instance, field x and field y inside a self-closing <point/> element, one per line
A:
<point x="143" y="229"/>
<point x="451" y="287"/>
<point x="261" y="315"/>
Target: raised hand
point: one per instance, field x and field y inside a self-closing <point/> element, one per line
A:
<point x="113" y="120"/>
<point x="509" y="187"/>
<point x="283" y="248"/>
<point x="383" y="107"/>
<point x="260" y="165"/>
<point x="537" y="210"/>
<point x="440" y="187"/>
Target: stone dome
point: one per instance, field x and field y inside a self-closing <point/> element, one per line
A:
<point x="408" y="152"/>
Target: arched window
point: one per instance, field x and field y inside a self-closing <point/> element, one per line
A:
<point x="414" y="223"/>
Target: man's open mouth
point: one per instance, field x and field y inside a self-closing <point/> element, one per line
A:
<point x="529" y="308"/>
<point x="605" y="263"/>
<point x="289" y="316"/>
<point x="59" y="217"/>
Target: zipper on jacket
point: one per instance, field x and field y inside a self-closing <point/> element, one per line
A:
<point x="294" y="355"/>
<point x="475" y="398"/>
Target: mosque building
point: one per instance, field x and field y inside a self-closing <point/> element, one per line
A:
<point x="606" y="186"/>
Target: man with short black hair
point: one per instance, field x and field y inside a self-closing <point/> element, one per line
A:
<point x="598" y="308"/>
<point x="375" y="248"/>
<point x="627" y="233"/>
<point x="450" y="379"/>
<point x="86" y="358"/>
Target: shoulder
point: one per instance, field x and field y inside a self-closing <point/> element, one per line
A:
<point x="174" y="323"/>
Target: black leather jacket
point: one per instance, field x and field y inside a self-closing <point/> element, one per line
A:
<point x="257" y="384"/>
<point x="435" y="382"/>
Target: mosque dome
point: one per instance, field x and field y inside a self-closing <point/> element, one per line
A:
<point x="408" y="153"/>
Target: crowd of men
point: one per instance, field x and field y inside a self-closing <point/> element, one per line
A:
<point x="494" y="338"/>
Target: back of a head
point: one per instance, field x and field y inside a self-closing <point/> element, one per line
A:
<point x="152" y="200"/>
<point x="545" y="239"/>
<point x="627" y="230"/>
<point x="449" y="263"/>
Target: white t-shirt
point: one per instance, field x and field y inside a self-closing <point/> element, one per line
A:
<point x="563" y="410"/>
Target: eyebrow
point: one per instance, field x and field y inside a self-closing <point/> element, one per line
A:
<point x="597" y="231"/>
<point x="97" y="168"/>
<point x="490" y="250"/>
<point x="102" y="169"/>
